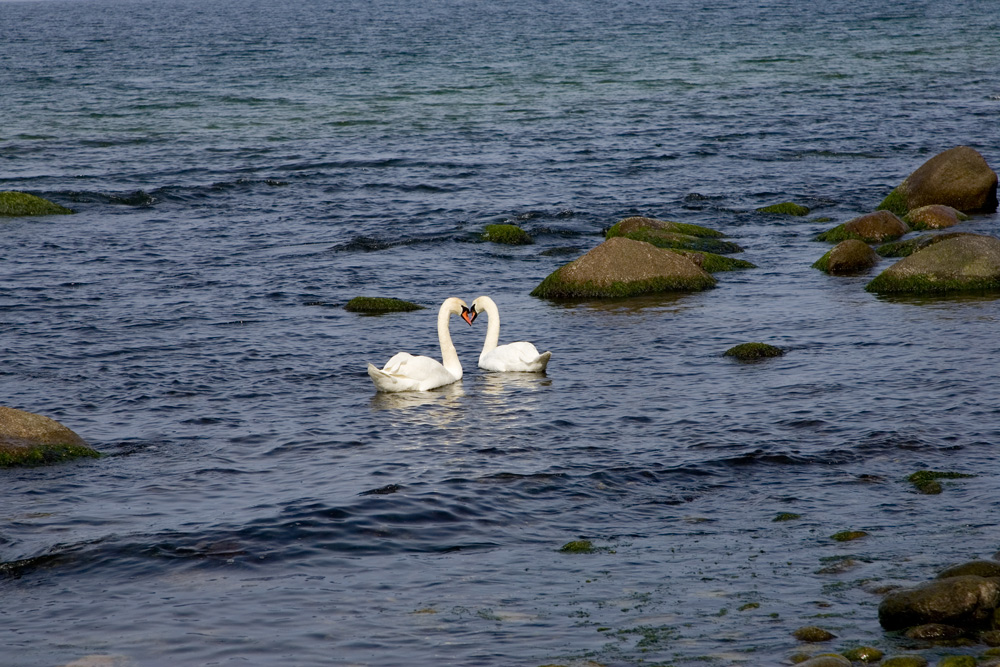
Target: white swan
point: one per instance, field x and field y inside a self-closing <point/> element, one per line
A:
<point x="519" y="356"/>
<point x="406" y="372"/>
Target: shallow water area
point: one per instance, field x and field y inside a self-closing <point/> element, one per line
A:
<point x="237" y="182"/>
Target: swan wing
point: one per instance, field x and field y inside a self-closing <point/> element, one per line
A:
<point x="515" y="357"/>
<point x="406" y="372"/>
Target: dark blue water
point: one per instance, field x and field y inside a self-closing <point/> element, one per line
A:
<point x="241" y="170"/>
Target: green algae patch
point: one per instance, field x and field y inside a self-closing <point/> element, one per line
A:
<point x="679" y="241"/>
<point x="812" y="633"/>
<point x="713" y="263"/>
<point x="553" y="287"/>
<point x="906" y="247"/>
<point x="378" y="305"/>
<point x="626" y="226"/>
<point x="785" y="208"/>
<point x="578" y="547"/>
<point x="15" y="204"/>
<point x="895" y="202"/>
<point x="863" y="654"/>
<point x="838" y="234"/>
<point x="753" y="351"/>
<point x="506" y="234"/>
<point x="748" y="606"/>
<point x="17" y="456"/>
<point x="848" y="535"/>
<point x="787" y="516"/>
<point x="957" y="661"/>
<point x="926" y="481"/>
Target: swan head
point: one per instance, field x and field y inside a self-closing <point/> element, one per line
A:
<point x="478" y="306"/>
<point x="454" y="305"/>
<point x="469" y="315"/>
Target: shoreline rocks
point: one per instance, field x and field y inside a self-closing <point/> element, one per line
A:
<point x="964" y="263"/>
<point x="850" y="256"/>
<point x="876" y="227"/>
<point x="18" y="204"/>
<point x="28" y="439"/>
<point x="959" y="177"/>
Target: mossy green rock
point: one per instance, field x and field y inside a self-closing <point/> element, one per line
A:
<point x="506" y="234"/>
<point x="674" y="235"/>
<point x="905" y="661"/>
<point x="966" y="602"/>
<point x="13" y="204"/>
<point x="378" y="304"/>
<point x="907" y="247"/>
<point x="934" y="216"/>
<point x="812" y="633"/>
<point x="848" y="535"/>
<point x="965" y="263"/>
<point x="826" y="660"/>
<point x="874" y="227"/>
<point x="979" y="568"/>
<point x="850" y="256"/>
<point x="622" y="267"/>
<point x="958" y="177"/>
<point x="578" y="547"/>
<point x="926" y="481"/>
<point x="713" y="263"/>
<point x="27" y="439"/>
<point x="753" y="351"/>
<point x="863" y="654"/>
<point x="957" y="661"/>
<point x="785" y="208"/>
<point x="787" y="516"/>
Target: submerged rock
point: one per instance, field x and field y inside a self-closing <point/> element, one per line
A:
<point x="27" y="439"/>
<point x="909" y="246"/>
<point x="958" y="177"/>
<point x="507" y="234"/>
<point x="934" y="632"/>
<point x="979" y="568"/>
<point x="15" y="204"/>
<point x="871" y="228"/>
<point x="934" y="216"/>
<point x="674" y="235"/>
<point x="622" y="267"/>
<point x="863" y="654"/>
<point x="906" y="661"/>
<point x="850" y="256"/>
<point x="380" y="304"/>
<point x="826" y="660"/>
<point x="965" y="602"/>
<point x="753" y="351"/>
<point x="812" y="633"/>
<point x="969" y="262"/>
<point x="785" y="208"/>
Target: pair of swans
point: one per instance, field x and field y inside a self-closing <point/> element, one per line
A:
<point x="406" y="372"/>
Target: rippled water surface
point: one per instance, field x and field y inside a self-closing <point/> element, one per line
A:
<point x="239" y="171"/>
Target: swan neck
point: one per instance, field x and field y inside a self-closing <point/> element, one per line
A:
<point x="492" y="326"/>
<point x="449" y="355"/>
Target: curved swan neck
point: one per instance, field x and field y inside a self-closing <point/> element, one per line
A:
<point x="493" y="323"/>
<point x="449" y="355"/>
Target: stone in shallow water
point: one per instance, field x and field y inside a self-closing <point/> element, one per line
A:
<point x="959" y="177"/>
<point x="965" y="602"/>
<point x="965" y="263"/>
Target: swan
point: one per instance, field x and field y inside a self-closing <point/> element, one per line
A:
<point x="406" y="372"/>
<point x="519" y="356"/>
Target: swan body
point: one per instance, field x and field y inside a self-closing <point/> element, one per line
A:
<point x="407" y="372"/>
<point x="512" y="357"/>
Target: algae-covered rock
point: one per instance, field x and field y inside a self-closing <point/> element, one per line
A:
<point x="506" y="234"/>
<point x="785" y="208"/>
<point x="27" y="439"/>
<point x="622" y="267"/>
<point x="850" y="256"/>
<point x="812" y="633"/>
<point x="990" y="637"/>
<point x="957" y="661"/>
<point x="14" y="204"/>
<point x="965" y="602"/>
<point x="969" y="262"/>
<point x="926" y="481"/>
<point x="578" y="547"/>
<point x="934" y="632"/>
<point x="848" y="535"/>
<point x="713" y="263"/>
<point x="753" y="351"/>
<point x="787" y="516"/>
<point x="905" y="661"/>
<point x="863" y="654"/>
<point x="674" y="235"/>
<point x="379" y="304"/>
<point x="871" y="228"/>
<point x="826" y="660"/>
<point x="907" y="247"/>
<point x="958" y="177"/>
<point x="979" y="568"/>
<point x="934" y="216"/>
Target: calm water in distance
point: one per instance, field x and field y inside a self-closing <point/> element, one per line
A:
<point x="241" y="170"/>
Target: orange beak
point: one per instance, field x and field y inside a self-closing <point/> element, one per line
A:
<point x="468" y="315"/>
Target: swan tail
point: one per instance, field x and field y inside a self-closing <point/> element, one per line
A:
<point x="541" y="362"/>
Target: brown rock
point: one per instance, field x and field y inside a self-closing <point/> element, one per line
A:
<point x="30" y="439"/>
<point x="965" y="602"/>
<point x="969" y="262"/>
<point x="958" y="177"/>
<point x="934" y="631"/>
<point x="851" y="256"/>
<point x="980" y="568"/>
<point x="934" y="216"/>
<point x="877" y="227"/>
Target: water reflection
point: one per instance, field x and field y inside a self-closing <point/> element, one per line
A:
<point x="444" y="406"/>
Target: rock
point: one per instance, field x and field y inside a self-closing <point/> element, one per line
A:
<point x="711" y="262"/>
<point x="674" y="235"/>
<point x="850" y="256"/>
<point x="848" y="535"/>
<point x="910" y="246"/>
<point x="979" y="568"/>
<point x="379" y="304"/>
<point x="874" y="227"/>
<point x="863" y="654"/>
<point x="507" y="234"/>
<point x="926" y="481"/>
<point x="906" y="661"/>
<point x="934" y="631"/>
<point x="753" y="351"/>
<point x="966" y="602"/>
<point x="934" y="216"/>
<point x="990" y="637"/>
<point x="785" y="208"/>
<point x="970" y="262"/>
<point x="622" y="267"/>
<point x="578" y="547"/>
<point x="15" y="204"/>
<point x="958" y="177"/>
<point x="957" y="661"/>
<point x="826" y="660"/>
<point x="27" y="439"/>
<point x="812" y="633"/>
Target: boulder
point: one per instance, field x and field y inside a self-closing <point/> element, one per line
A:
<point x="14" y="204"/>
<point x="753" y="351"/>
<point x="506" y="234"/>
<point x="826" y="660"/>
<point x="623" y="267"/>
<point x="785" y="208"/>
<point x="965" y="602"/>
<point x="980" y="568"/>
<point x="379" y="305"/>
<point x="970" y="262"/>
<point x="907" y="247"/>
<point x="850" y="256"/>
<point x="934" y="216"/>
<point x="675" y="235"/>
<point x="28" y="439"/>
<point x="958" y="177"/>
<point x="874" y="227"/>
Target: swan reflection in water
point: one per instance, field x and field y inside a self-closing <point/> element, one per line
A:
<point x="439" y="407"/>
